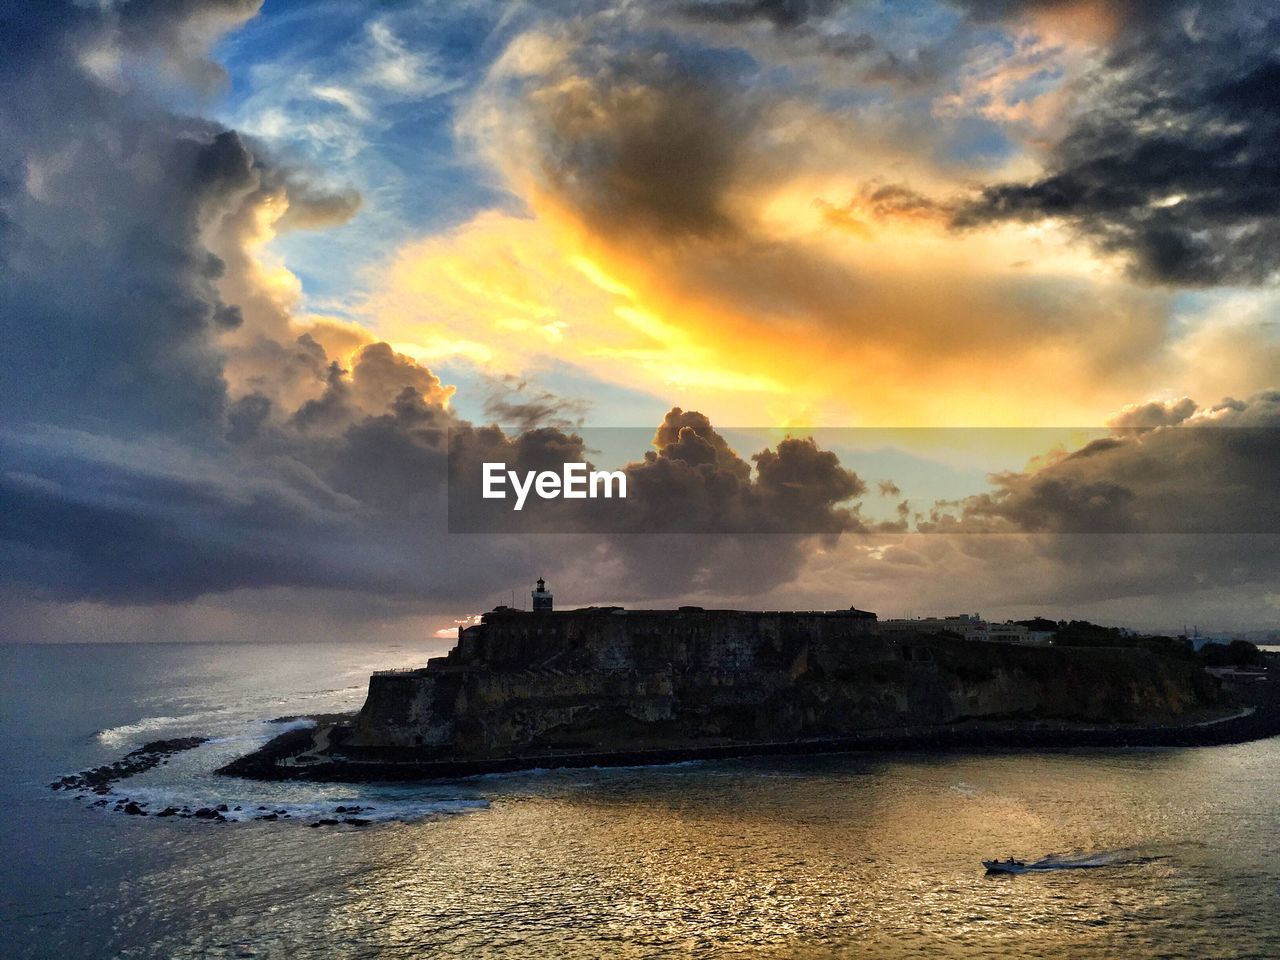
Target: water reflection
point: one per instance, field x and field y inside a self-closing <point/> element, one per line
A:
<point x="837" y="856"/>
<point x="800" y="858"/>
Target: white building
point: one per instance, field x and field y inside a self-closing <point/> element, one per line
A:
<point x="970" y="627"/>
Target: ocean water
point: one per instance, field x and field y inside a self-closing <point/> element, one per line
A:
<point x="1163" y="853"/>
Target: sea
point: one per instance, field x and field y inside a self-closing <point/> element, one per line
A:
<point x="1156" y="852"/>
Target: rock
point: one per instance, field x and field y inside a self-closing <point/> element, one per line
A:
<point x="222" y="808"/>
<point x="99" y="779"/>
<point x="168" y="812"/>
<point x="268" y="816"/>
<point x="325" y="822"/>
<point x="204" y="813"/>
<point x="134" y="810"/>
<point x="357" y="822"/>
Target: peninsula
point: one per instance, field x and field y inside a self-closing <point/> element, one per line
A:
<point x="611" y="686"/>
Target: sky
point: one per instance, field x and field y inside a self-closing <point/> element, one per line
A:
<point x="924" y="307"/>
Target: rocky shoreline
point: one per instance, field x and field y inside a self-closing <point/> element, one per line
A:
<point x="99" y="780"/>
<point x="329" y="760"/>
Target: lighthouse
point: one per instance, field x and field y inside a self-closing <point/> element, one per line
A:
<point x="541" y="597"/>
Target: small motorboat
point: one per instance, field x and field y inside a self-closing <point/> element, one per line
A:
<point x="1005" y="866"/>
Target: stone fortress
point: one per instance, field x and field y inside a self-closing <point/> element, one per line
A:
<point x="604" y="680"/>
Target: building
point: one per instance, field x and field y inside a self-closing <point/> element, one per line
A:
<point x="966" y="625"/>
<point x="970" y="627"/>
<point x="541" y="597"/>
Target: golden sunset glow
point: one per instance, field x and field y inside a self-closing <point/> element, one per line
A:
<point x="267" y="272"/>
<point x="838" y="326"/>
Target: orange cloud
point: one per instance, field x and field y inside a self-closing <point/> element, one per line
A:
<point x="698" y="243"/>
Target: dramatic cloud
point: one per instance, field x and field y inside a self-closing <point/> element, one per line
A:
<point x="691" y="482"/>
<point x="1207" y="472"/>
<point x="1153" y="414"/>
<point x="631" y="140"/>
<point x="179" y="431"/>
<point x="691" y="227"/>
<point x="514" y="402"/>
<point x="694" y="482"/>
<point x="1170" y="162"/>
<point x="783" y="14"/>
<point x="743" y="207"/>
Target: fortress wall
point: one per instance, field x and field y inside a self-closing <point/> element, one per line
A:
<point x="600" y="680"/>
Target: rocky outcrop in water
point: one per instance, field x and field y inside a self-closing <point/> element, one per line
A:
<point x="100" y="779"/>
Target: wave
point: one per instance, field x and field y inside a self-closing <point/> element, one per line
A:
<point x="143" y="729"/>
<point x="1084" y="861"/>
<point x="244" y="711"/>
<point x="189" y="785"/>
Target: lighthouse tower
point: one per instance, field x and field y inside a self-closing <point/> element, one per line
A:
<point x="541" y="597"/>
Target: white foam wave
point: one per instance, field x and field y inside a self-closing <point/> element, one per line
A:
<point x="144" y="729"/>
<point x="1082" y="861"/>
<point x="149" y="728"/>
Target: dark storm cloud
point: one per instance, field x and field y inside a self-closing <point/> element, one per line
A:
<point x="333" y="408"/>
<point x="1172" y="162"/>
<point x="144" y="522"/>
<point x="112" y="305"/>
<point x="641" y="141"/>
<point x="514" y="402"/>
<point x="1210" y="474"/>
<point x="118" y="483"/>
<point x="380" y="378"/>
<point x="783" y="14"/>
<point x="90" y="519"/>
<point x="691" y="481"/>
<point x="144" y="479"/>
<point x="109" y="301"/>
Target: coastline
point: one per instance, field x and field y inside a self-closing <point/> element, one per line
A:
<point x="335" y="763"/>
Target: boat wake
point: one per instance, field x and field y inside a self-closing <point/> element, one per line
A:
<point x="1072" y="861"/>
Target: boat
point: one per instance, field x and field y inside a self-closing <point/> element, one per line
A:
<point x="1005" y="866"/>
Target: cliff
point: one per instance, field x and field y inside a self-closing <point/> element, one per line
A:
<point x="605" y="680"/>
